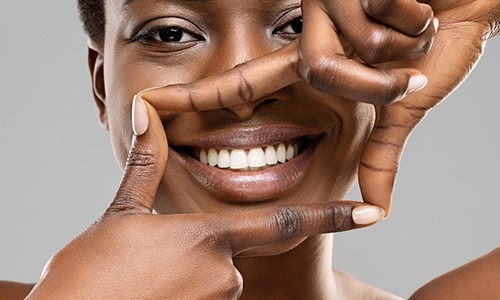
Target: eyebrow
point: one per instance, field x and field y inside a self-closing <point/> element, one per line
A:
<point x="127" y="2"/>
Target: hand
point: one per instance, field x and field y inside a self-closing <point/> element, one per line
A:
<point x="130" y="253"/>
<point x="337" y="31"/>
<point x="464" y="29"/>
<point x="465" y="26"/>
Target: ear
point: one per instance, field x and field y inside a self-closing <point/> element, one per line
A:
<point x="96" y="68"/>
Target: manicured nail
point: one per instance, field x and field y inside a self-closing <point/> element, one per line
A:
<point x="416" y="83"/>
<point x="140" y="118"/>
<point x="367" y="214"/>
<point x="436" y="24"/>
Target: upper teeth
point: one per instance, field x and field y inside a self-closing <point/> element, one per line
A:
<point x="238" y="159"/>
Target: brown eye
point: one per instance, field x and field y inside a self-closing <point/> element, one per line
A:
<point x="293" y="27"/>
<point x="173" y="35"/>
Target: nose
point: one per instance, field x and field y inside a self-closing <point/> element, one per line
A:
<point x="235" y="48"/>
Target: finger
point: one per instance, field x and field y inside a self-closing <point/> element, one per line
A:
<point x="408" y="16"/>
<point x="395" y="123"/>
<point x="375" y="42"/>
<point x="238" y="86"/>
<point x="381" y="155"/>
<point x="280" y="224"/>
<point x="324" y="66"/>
<point x="327" y="68"/>
<point x="145" y="163"/>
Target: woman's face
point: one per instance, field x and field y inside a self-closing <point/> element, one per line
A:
<point x="156" y="42"/>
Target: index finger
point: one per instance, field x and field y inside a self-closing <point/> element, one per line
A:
<point x="284" y="223"/>
<point x="242" y="84"/>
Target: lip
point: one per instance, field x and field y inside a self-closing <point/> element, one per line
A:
<point x="247" y="137"/>
<point x="250" y="186"/>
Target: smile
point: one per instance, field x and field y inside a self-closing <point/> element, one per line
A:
<point x="258" y="165"/>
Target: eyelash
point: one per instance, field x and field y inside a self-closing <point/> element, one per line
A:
<point x="295" y="22"/>
<point x="154" y="34"/>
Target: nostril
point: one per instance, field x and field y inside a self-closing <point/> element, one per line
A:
<point x="265" y="103"/>
<point x="248" y="109"/>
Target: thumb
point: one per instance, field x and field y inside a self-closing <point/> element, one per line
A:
<point x="381" y="155"/>
<point x="145" y="163"/>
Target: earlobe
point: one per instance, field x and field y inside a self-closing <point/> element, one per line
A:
<point x="96" y="68"/>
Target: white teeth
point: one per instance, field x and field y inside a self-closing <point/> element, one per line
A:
<point x="289" y="152"/>
<point x="204" y="157"/>
<point x="281" y="153"/>
<point x="224" y="160"/>
<point x="256" y="158"/>
<point x="213" y="157"/>
<point x="271" y="157"/>
<point x="238" y="159"/>
<point x="253" y="159"/>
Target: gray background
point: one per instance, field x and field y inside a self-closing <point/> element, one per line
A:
<point x="57" y="171"/>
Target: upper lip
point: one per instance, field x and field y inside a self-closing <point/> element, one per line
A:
<point x="246" y="137"/>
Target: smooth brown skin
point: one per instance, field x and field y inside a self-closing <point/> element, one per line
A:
<point x="114" y="236"/>
<point x="14" y="290"/>
<point x="478" y="279"/>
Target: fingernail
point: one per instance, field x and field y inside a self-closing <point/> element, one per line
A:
<point x="367" y="214"/>
<point x="436" y="24"/>
<point x="416" y="83"/>
<point x="140" y="118"/>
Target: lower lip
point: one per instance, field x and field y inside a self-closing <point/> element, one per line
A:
<point x="249" y="186"/>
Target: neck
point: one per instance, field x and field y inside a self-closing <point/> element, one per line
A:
<point x="304" y="272"/>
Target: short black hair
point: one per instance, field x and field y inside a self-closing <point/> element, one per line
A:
<point x="93" y="19"/>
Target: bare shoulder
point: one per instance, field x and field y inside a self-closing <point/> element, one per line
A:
<point x="14" y="290"/>
<point x="355" y="289"/>
<point x="478" y="279"/>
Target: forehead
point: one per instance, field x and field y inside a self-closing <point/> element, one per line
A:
<point x="221" y="5"/>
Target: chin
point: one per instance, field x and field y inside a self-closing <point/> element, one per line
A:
<point x="272" y="249"/>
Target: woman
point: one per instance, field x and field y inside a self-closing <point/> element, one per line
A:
<point x="316" y="125"/>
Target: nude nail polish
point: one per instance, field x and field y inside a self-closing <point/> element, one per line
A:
<point x="436" y="24"/>
<point x="367" y="214"/>
<point x="416" y="83"/>
<point x="140" y="118"/>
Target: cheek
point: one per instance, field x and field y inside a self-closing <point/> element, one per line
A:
<point x="342" y="160"/>
<point x="124" y="77"/>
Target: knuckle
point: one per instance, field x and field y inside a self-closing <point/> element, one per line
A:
<point x="141" y="157"/>
<point x="245" y="90"/>
<point x="229" y="282"/>
<point x="288" y="222"/>
<point x="210" y="234"/>
<point x="126" y="203"/>
<point x="374" y="48"/>
<point x="377" y="8"/>
<point x="388" y="92"/>
<point x="322" y="72"/>
<point x="336" y="218"/>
